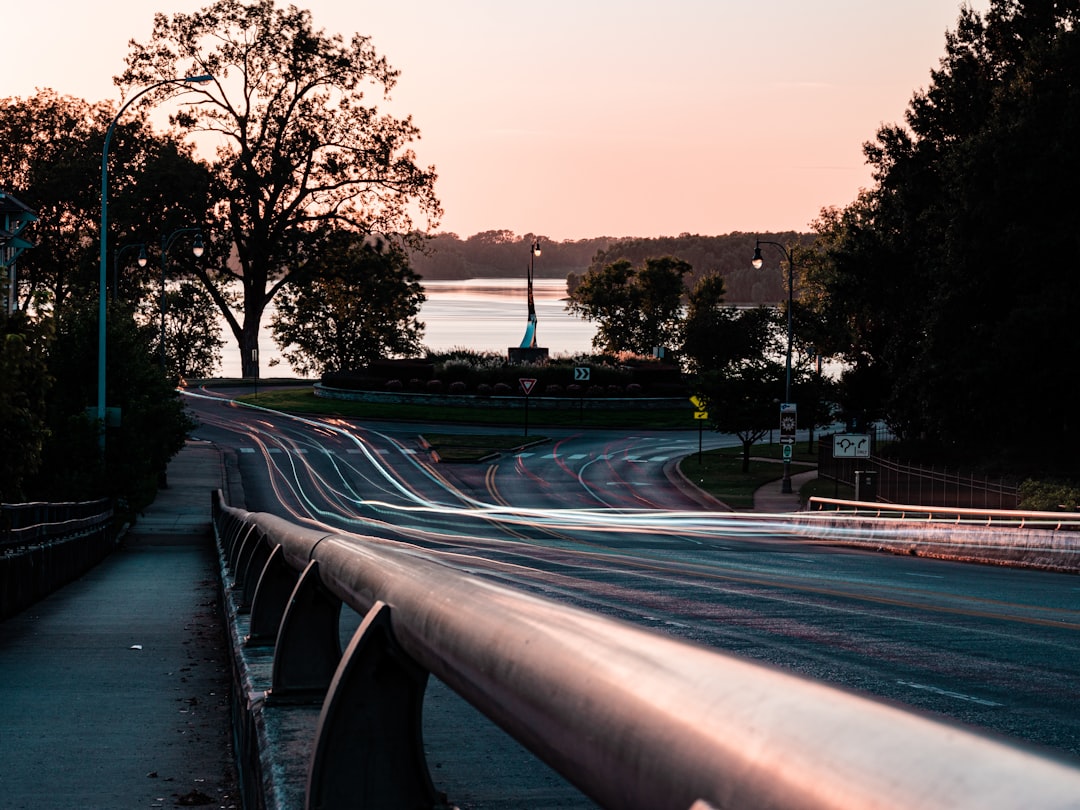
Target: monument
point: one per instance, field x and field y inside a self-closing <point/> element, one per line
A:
<point x="528" y="351"/>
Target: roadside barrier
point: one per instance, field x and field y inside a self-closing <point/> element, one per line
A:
<point x="43" y="546"/>
<point x="633" y="718"/>
<point x="1045" y="540"/>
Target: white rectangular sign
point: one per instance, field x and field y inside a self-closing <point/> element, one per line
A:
<point x="851" y="445"/>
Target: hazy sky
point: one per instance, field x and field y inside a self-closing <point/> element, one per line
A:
<point x="580" y="118"/>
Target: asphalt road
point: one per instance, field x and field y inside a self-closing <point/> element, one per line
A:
<point x="594" y="519"/>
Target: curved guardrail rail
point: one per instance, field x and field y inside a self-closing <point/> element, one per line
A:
<point x="949" y="514"/>
<point x="633" y="718"/>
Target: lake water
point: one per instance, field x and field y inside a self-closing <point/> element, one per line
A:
<point x="479" y="314"/>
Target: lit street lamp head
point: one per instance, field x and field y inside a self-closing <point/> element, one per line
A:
<point x="757" y="261"/>
<point x="197" y="246"/>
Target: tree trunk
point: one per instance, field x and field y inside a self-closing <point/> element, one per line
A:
<point x="746" y="445"/>
<point x="248" y="341"/>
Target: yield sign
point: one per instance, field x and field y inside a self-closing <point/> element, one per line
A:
<point x="527" y="385"/>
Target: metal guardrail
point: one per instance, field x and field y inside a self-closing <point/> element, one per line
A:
<point x="633" y="718"/>
<point x="1058" y="521"/>
<point x="23" y="524"/>
<point x="46" y="545"/>
<point x="26" y="523"/>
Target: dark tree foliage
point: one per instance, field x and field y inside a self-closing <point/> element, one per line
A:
<point x="153" y="423"/>
<point x="727" y="256"/>
<point x="24" y="386"/>
<point x="300" y="147"/>
<point x="951" y="284"/>
<point x="635" y="308"/>
<point x="357" y="304"/>
<point x="192" y="338"/>
<point x="50" y="158"/>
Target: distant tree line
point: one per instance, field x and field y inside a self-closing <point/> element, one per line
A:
<point x="504" y="254"/>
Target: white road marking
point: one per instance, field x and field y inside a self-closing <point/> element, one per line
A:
<point x="947" y="693"/>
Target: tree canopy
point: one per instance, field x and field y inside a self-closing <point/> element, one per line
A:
<point x="636" y="309"/>
<point x="299" y="146"/>
<point x="356" y="304"/>
<point x="50" y="158"/>
<point x="950" y="284"/>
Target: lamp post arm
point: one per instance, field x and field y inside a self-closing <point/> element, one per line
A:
<point x="103" y="237"/>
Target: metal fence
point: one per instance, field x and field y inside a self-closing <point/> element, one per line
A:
<point x="895" y="481"/>
<point x="43" y="546"/>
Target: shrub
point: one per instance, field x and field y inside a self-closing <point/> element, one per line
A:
<point x="553" y="390"/>
<point x="484" y="390"/>
<point x="456" y="387"/>
<point x="416" y="385"/>
<point x="574" y="390"/>
<point x="503" y="390"/>
<point x="395" y="385"/>
<point x="614" y="390"/>
<point x="596" y="390"/>
<point x="1049" y="496"/>
<point x="633" y="390"/>
<point x="434" y="386"/>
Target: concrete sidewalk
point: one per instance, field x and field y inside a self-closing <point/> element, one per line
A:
<point x="770" y="499"/>
<point x="114" y="690"/>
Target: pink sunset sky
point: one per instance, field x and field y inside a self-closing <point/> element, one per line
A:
<point x="582" y="118"/>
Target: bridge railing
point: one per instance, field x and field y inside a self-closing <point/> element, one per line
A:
<point x="46" y="545"/>
<point x="633" y="718"/>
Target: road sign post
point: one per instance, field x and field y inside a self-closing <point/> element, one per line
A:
<point x="527" y="384"/>
<point x="582" y="374"/>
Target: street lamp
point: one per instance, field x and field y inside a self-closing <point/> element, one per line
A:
<point x="166" y="243"/>
<point x="757" y="262"/>
<point x="104" y="240"/>
<point x="116" y="264"/>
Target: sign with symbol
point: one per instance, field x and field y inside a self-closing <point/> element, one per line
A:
<point x="581" y="374"/>
<point x="527" y="384"/>
<point x="851" y="445"/>
<point x="697" y="402"/>
<point x="701" y="414"/>
<point x="789" y="421"/>
<point x="787" y="452"/>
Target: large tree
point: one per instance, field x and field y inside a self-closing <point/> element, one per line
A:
<point x="357" y="304"/>
<point x="635" y="308"/>
<point x="951" y="283"/>
<point x="298" y="147"/>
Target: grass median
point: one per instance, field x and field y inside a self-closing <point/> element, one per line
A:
<point x="303" y="400"/>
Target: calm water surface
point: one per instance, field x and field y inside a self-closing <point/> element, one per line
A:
<point x="479" y="314"/>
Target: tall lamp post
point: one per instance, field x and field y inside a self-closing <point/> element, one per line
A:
<point x="117" y="255"/>
<point x="104" y="240"/>
<point x="166" y="243"/>
<point x="757" y="263"/>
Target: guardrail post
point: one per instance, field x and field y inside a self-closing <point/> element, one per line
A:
<point x="308" y="647"/>
<point x="276" y="585"/>
<point x="369" y="748"/>
<point x="232" y="563"/>
<point x="256" y="564"/>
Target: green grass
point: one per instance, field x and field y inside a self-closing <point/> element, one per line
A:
<point x="719" y="472"/>
<point x="303" y="400"/>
